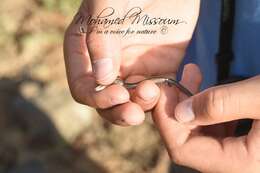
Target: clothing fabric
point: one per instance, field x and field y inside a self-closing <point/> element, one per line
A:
<point x="246" y="42"/>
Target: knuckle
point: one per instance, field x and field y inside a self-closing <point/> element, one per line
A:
<point x="215" y="104"/>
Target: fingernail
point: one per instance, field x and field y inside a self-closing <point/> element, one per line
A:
<point x="148" y="91"/>
<point x="184" y="112"/>
<point x="148" y="95"/>
<point x="103" y="68"/>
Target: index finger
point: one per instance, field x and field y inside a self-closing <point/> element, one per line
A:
<point x="80" y="74"/>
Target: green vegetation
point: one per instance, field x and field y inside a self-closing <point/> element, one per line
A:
<point x="63" y="6"/>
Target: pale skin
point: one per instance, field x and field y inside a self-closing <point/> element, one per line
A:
<point x="198" y="131"/>
<point x="98" y="59"/>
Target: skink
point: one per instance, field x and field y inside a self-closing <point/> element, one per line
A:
<point x="156" y="80"/>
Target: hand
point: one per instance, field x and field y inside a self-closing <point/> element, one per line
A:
<point x="99" y="58"/>
<point x="201" y="135"/>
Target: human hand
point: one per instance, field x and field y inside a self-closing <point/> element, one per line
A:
<point x="201" y="135"/>
<point x="99" y="58"/>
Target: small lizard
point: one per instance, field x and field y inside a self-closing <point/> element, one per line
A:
<point x="156" y="80"/>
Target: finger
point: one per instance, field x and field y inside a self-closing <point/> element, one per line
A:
<point x="78" y="65"/>
<point x="183" y="149"/>
<point x="121" y="112"/>
<point x="111" y="96"/>
<point x="76" y="55"/>
<point x="225" y="103"/>
<point x="105" y="57"/>
<point x="191" y="79"/>
<point x="104" y="49"/>
<point x="128" y="114"/>
<point x="79" y="71"/>
<point x="83" y="91"/>
<point x="173" y="133"/>
<point x="146" y="94"/>
<point x="189" y="150"/>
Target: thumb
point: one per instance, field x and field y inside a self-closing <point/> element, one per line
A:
<point x="105" y="57"/>
<point x="220" y="104"/>
<point x="104" y="48"/>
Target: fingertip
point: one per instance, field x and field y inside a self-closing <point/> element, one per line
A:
<point x="146" y="95"/>
<point x="192" y="74"/>
<point x="184" y="112"/>
<point x="191" y="79"/>
<point x="128" y="114"/>
<point x="133" y="115"/>
<point x="111" y="96"/>
<point x="147" y="91"/>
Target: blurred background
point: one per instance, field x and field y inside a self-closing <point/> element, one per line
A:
<point x="42" y="130"/>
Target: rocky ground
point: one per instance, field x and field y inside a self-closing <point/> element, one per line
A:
<point x="41" y="128"/>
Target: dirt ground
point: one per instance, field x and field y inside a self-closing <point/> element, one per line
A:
<point x="41" y="128"/>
